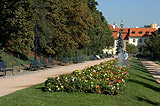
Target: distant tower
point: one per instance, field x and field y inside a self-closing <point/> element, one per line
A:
<point x="114" y="25"/>
<point x="121" y="25"/>
<point x="154" y="25"/>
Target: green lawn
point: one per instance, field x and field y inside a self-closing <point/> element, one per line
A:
<point x="142" y="90"/>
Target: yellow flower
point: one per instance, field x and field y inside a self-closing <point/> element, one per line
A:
<point x="58" y="89"/>
<point x="61" y="86"/>
<point x="56" y="86"/>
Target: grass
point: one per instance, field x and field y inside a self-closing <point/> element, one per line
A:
<point x="142" y="90"/>
<point x="157" y="62"/>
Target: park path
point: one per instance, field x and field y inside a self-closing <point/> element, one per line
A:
<point x="153" y="68"/>
<point x="11" y="84"/>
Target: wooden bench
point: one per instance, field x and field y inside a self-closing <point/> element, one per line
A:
<point x="50" y="61"/>
<point x="34" y="64"/>
<point x="4" y="69"/>
<point x="64" y="60"/>
<point x="43" y="63"/>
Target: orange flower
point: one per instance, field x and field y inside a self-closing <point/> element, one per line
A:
<point x="99" y="91"/>
<point x="97" y="86"/>
<point x="107" y="78"/>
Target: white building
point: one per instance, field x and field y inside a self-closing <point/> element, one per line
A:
<point x="136" y="36"/>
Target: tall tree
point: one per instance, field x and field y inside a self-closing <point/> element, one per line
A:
<point x="17" y="21"/>
<point x="120" y="44"/>
<point x="153" y="45"/>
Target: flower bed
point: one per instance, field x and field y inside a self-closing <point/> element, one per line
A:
<point x="104" y="78"/>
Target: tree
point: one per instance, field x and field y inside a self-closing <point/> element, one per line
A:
<point x="120" y="44"/>
<point x="63" y="26"/>
<point x="131" y="49"/>
<point x="153" y="45"/>
<point x="17" y="21"/>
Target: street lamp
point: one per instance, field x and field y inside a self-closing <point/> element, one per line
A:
<point x="94" y="45"/>
<point x="35" y="42"/>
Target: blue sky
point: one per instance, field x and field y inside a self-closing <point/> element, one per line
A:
<point x="132" y="12"/>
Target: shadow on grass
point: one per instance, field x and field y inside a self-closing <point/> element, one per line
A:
<point x="145" y="85"/>
<point x="147" y="78"/>
<point x="141" y="69"/>
<point x="42" y="89"/>
<point x="148" y="101"/>
<point x="137" y="63"/>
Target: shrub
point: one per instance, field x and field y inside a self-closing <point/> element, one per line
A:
<point x="105" y="78"/>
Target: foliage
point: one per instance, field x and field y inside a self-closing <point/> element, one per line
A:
<point x="63" y="26"/>
<point x="17" y="21"/>
<point x="153" y="45"/>
<point x="131" y="49"/>
<point x="151" y="48"/>
<point x="104" y="78"/>
<point x="120" y="44"/>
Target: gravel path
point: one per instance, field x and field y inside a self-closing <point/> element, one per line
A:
<point x="10" y="84"/>
<point x="153" y="68"/>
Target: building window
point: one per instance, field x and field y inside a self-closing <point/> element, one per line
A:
<point x="140" y="40"/>
<point x="140" y="32"/>
<point x="133" y="32"/>
<point x="121" y="30"/>
<point x="126" y="43"/>
<point x="147" y="32"/>
<point x="133" y="40"/>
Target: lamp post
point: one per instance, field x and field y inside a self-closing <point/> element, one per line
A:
<point x="102" y="44"/>
<point x="94" y="45"/>
<point x="76" y="56"/>
<point x="35" y="42"/>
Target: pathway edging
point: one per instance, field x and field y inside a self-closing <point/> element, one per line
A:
<point x="153" y="68"/>
<point x="11" y="84"/>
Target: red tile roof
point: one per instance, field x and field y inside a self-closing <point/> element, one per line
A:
<point x="139" y="32"/>
<point x="127" y="32"/>
<point x="115" y="35"/>
<point x="111" y="27"/>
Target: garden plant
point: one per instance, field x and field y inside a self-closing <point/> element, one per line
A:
<point x="105" y="78"/>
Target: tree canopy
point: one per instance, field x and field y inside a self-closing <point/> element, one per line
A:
<point x="152" y="46"/>
<point x="63" y="26"/>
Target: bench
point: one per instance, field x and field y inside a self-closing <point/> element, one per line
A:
<point x="34" y="64"/>
<point x="50" y="61"/>
<point x="43" y="63"/>
<point x="81" y="59"/>
<point x="4" y="69"/>
<point x="64" y="60"/>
